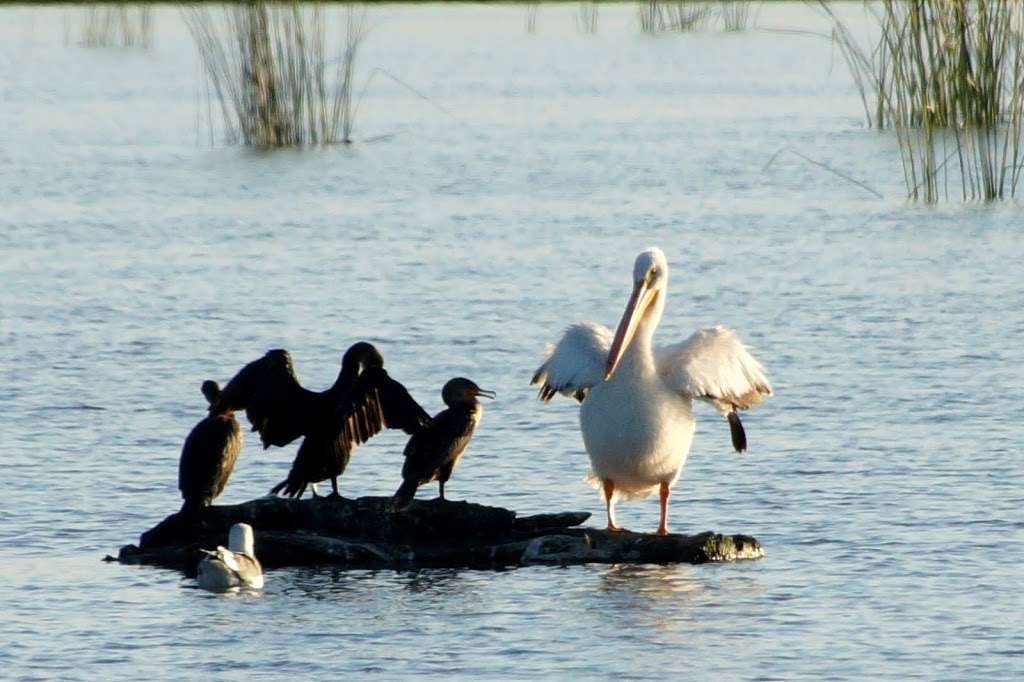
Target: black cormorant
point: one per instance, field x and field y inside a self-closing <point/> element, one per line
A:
<point x="362" y="401"/>
<point x="433" y="452"/>
<point x="209" y="455"/>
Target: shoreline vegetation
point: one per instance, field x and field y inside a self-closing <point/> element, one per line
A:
<point x="944" y="78"/>
<point x="947" y="76"/>
<point x="681" y="16"/>
<point x="272" y="74"/>
<point x="124" y="25"/>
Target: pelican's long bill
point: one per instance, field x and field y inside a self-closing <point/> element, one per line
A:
<point x="638" y="301"/>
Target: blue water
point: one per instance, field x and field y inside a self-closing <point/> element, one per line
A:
<point x="461" y="234"/>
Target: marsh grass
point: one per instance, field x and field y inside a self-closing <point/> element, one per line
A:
<point x="114" y="25"/>
<point x="737" y="15"/>
<point x="531" y="16"/>
<point x="271" y="74"/>
<point x="658" y="16"/>
<point x="586" y="16"/>
<point x="947" y="76"/>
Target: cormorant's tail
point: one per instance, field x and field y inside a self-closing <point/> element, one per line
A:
<point x="739" y="436"/>
<point x="404" y="494"/>
<point x="290" y="488"/>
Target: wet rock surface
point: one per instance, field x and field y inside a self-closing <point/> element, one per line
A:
<point x="365" y="533"/>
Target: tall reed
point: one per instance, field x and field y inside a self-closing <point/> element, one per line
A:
<point x="656" y="16"/>
<point x="948" y="77"/>
<point x="531" y="16"/>
<point x="672" y="15"/>
<point x="268" y="66"/>
<point x="737" y="15"/>
<point x="114" y="25"/>
<point x="586" y="17"/>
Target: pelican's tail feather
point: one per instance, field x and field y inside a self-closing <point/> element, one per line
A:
<point x="621" y="493"/>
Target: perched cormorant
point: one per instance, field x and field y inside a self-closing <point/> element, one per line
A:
<point x="234" y="566"/>
<point x="362" y="401"/>
<point x="209" y="455"/>
<point x="432" y="454"/>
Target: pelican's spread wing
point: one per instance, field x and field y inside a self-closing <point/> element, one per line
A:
<point x="576" y="363"/>
<point x="269" y="392"/>
<point x="713" y="365"/>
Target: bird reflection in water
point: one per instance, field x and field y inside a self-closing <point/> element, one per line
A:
<point x="649" y="595"/>
<point x="336" y="583"/>
<point x="331" y="583"/>
<point x="650" y="580"/>
<point x="439" y="581"/>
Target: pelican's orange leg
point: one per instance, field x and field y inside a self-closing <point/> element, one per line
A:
<point x="609" y="501"/>
<point x="663" y="526"/>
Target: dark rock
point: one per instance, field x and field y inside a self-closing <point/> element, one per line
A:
<point x="538" y="522"/>
<point x="364" y="533"/>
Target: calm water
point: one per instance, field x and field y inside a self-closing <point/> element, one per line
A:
<point x="136" y="260"/>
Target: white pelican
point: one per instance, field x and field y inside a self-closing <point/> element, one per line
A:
<point x="637" y="400"/>
<point x="234" y="566"/>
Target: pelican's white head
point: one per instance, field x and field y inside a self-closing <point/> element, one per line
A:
<point x="650" y="277"/>
<point x="240" y="539"/>
<point x="651" y="266"/>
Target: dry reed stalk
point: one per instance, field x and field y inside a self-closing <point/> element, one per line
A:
<point x="657" y="16"/>
<point x="586" y="18"/>
<point x="267" y="66"/>
<point x="948" y="77"/>
<point x="737" y="15"/>
<point x="531" y="16"/>
<point x="116" y="25"/>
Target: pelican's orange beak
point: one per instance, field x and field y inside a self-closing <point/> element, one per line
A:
<point x="639" y="300"/>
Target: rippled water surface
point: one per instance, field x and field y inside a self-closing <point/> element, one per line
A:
<point x="460" y="233"/>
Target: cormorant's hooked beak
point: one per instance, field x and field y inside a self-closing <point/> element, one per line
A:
<point x="485" y="393"/>
<point x="638" y="301"/>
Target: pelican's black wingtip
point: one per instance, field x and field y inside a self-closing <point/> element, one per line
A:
<point x="546" y="393"/>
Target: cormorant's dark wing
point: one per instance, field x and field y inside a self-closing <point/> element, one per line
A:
<point x="437" y="446"/>
<point x="208" y="458"/>
<point x="376" y="401"/>
<point x="275" y="403"/>
<point x="373" y="402"/>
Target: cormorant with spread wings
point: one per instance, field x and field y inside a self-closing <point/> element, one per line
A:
<point x="361" y="402"/>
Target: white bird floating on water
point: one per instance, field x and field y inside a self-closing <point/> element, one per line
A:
<point x="224" y="569"/>
<point x="637" y="400"/>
